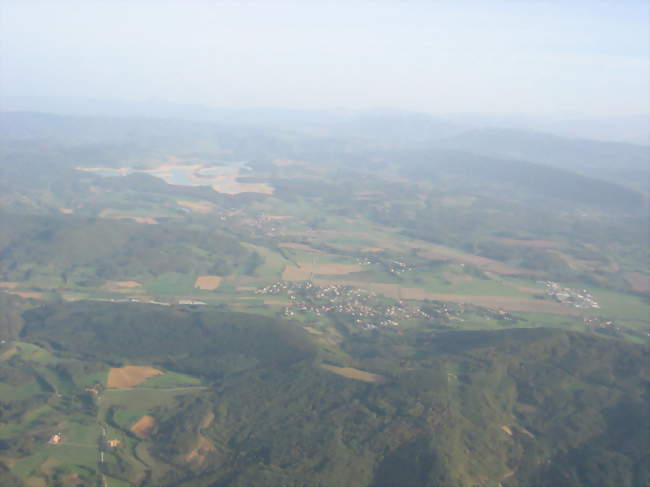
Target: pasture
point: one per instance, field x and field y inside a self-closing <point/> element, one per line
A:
<point x="299" y="246"/>
<point x="273" y="262"/>
<point x="170" y="380"/>
<point x="132" y="404"/>
<point x="305" y="270"/>
<point x="507" y="303"/>
<point x="171" y="283"/>
<point x="438" y="252"/>
<point x="48" y="457"/>
<point x="620" y="306"/>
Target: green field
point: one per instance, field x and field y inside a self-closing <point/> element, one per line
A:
<point x="170" y="380"/>
<point x="172" y="284"/>
<point x="132" y="404"/>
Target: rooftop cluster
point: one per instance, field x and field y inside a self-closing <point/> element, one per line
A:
<point x="367" y="310"/>
<point x="570" y="296"/>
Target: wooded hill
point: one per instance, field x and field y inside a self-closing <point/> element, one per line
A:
<point x="521" y="407"/>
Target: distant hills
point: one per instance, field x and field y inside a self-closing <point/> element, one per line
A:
<point x="608" y="174"/>
<point x="521" y="407"/>
<point x="632" y="129"/>
<point x="615" y="161"/>
<point x="470" y="170"/>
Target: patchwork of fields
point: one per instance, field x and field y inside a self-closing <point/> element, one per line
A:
<point x="358" y="254"/>
<point x="334" y="308"/>
<point x="88" y="437"/>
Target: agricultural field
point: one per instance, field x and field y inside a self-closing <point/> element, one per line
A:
<point x="129" y="376"/>
<point x="75" y="441"/>
<point x="208" y="283"/>
<point x="355" y="374"/>
<point x="356" y="251"/>
<point x="154" y="302"/>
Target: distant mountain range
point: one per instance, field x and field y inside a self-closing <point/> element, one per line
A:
<point x="352" y="138"/>
<point x="631" y="129"/>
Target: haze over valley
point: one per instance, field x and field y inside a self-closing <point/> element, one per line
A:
<point x="222" y="264"/>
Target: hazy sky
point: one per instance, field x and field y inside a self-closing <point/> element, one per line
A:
<point x="561" y="57"/>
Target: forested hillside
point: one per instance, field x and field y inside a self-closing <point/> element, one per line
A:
<point x="521" y="407"/>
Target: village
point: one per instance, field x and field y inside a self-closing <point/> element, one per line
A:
<point x="391" y="266"/>
<point x="367" y="310"/>
<point x="570" y="296"/>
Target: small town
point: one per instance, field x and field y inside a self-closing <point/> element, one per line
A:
<point x="570" y="296"/>
<point x="366" y="308"/>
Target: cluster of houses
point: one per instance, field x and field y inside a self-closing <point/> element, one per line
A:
<point x="55" y="439"/>
<point x="262" y="224"/>
<point x="570" y="296"/>
<point x="397" y="267"/>
<point x="596" y="323"/>
<point x="366" y="310"/>
<point x="192" y="302"/>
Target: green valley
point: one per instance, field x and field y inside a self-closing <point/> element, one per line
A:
<point x="227" y="309"/>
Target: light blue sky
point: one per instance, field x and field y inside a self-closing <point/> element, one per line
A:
<point x="573" y="58"/>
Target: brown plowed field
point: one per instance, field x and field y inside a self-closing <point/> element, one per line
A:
<point x="639" y="282"/>
<point x="356" y="374"/>
<point x="142" y="428"/>
<point x="27" y="294"/>
<point x="130" y="375"/>
<point x="138" y="219"/>
<point x="208" y="283"/>
<point x="123" y="284"/>
<point x="203" y="207"/>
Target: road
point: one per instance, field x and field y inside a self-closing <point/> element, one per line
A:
<point x="166" y="389"/>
